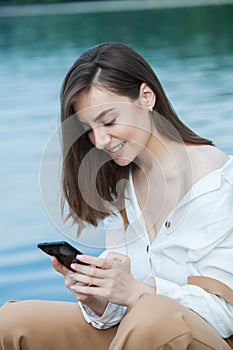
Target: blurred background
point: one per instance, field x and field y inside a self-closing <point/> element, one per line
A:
<point x="190" y="49"/>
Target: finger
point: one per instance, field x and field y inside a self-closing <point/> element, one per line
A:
<point x="87" y="290"/>
<point x="96" y="261"/>
<point x="74" y="280"/>
<point x="86" y="280"/>
<point x="59" y="267"/>
<point x="69" y="281"/>
<point x="56" y="264"/>
<point x="88" y="271"/>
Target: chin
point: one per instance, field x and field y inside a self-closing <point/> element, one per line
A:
<point x="122" y="161"/>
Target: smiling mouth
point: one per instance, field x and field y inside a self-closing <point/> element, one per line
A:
<point x="117" y="148"/>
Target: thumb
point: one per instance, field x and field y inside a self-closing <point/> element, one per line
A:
<point x="58" y="266"/>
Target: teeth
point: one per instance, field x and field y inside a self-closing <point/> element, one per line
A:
<point x="116" y="149"/>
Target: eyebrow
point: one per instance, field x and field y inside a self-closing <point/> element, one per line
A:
<point x="102" y="114"/>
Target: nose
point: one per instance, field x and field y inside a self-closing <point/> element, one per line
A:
<point x="101" y="137"/>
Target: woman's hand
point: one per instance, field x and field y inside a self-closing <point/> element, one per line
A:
<point x="108" y="278"/>
<point x="69" y="281"/>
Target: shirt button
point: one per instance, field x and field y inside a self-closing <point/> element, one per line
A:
<point x="167" y="224"/>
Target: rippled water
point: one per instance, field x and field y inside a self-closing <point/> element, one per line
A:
<point x="191" y="51"/>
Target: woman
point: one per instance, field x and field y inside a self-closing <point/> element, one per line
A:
<point x="164" y="195"/>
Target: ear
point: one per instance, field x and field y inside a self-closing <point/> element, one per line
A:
<point x="147" y="96"/>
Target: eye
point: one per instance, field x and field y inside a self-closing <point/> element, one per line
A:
<point x="111" y="122"/>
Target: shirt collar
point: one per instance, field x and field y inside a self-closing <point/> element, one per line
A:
<point x="227" y="170"/>
<point x="132" y="206"/>
<point x="208" y="183"/>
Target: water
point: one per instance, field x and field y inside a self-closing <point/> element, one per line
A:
<point x="191" y="51"/>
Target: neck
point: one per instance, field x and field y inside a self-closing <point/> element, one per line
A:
<point x="163" y="154"/>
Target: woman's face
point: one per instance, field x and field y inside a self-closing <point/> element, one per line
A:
<point x="115" y="124"/>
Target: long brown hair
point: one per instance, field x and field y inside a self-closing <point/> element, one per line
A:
<point x="121" y="70"/>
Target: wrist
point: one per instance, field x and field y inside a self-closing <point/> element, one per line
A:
<point x="96" y="304"/>
<point x="141" y="288"/>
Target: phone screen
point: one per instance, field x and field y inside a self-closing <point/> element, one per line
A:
<point x="63" y="251"/>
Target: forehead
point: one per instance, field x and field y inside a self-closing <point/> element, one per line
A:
<point x="92" y="103"/>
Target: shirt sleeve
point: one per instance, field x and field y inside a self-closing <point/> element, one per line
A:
<point x="113" y="313"/>
<point x="215" y="310"/>
<point x="216" y="263"/>
<point x="111" y="316"/>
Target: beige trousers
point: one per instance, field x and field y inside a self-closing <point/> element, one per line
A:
<point x="153" y="323"/>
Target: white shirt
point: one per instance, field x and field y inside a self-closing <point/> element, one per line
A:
<point x="195" y="239"/>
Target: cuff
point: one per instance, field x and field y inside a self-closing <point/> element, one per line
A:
<point x="151" y="281"/>
<point x="111" y="316"/>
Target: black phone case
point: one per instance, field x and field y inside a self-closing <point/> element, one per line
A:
<point x="63" y="251"/>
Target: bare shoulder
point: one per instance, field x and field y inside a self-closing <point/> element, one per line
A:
<point x="205" y="159"/>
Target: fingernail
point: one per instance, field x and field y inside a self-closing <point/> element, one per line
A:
<point x="80" y="257"/>
<point x="71" y="275"/>
<point x="73" y="266"/>
<point x="73" y="287"/>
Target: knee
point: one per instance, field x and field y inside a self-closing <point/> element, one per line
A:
<point x="15" y="321"/>
<point x="154" y="322"/>
<point x="158" y="314"/>
<point x="9" y="317"/>
<point x="10" y="321"/>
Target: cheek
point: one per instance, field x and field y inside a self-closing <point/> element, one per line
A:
<point x="124" y="131"/>
<point x="137" y="127"/>
<point x="144" y="131"/>
<point x="138" y="134"/>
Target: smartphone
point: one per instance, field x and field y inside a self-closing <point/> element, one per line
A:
<point x="63" y="251"/>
